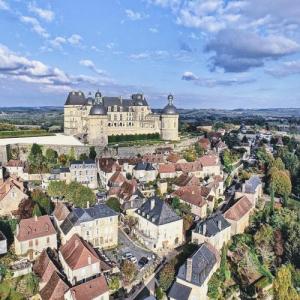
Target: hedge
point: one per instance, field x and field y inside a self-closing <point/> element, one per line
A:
<point x="133" y="137"/>
<point x="23" y="133"/>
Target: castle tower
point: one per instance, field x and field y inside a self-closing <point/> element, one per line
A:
<point x="97" y="123"/>
<point x="169" y="121"/>
<point x="74" y="110"/>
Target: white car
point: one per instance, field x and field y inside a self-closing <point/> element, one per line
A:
<point x="133" y="259"/>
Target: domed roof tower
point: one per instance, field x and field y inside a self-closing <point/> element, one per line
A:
<point x="170" y="108"/>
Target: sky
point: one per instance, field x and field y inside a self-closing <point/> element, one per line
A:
<point x="207" y="53"/>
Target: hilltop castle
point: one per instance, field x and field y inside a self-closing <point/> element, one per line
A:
<point x="100" y="117"/>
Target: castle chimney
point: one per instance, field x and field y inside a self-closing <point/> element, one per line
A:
<point x="152" y="204"/>
<point x="219" y="224"/>
<point x="189" y="269"/>
<point x="204" y="229"/>
<point x="87" y="204"/>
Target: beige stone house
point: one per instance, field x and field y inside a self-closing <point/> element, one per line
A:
<point x="185" y="180"/>
<point x="97" y="224"/>
<point x="144" y="172"/>
<point x="215" y="230"/>
<point x="192" y="195"/>
<point x="15" y="167"/>
<point x="158" y="227"/>
<point x="167" y="171"/>
<point x="12" y="192"/>
<point x="79" y="260"/>
<point x="34" y="235"/>
<point x="95" y="289"/>
<point x="254" y="187"/>
<point x="84" y="172"/>
<point x="193" y="276"/>
<point x="106" y="168"/>
<point x="238" y="215"/>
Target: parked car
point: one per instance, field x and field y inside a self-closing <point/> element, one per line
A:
<point x="133" y="259"/>
<point x="143" y="261"/>
<point x="127" y="255"/>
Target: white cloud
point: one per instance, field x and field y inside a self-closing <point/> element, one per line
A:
<point x="285" y="69"/>
<point x="75" y="39"/>
<point x="90" y="64"/>
<point x="110" y="45"/>
<point x="58" y="42"/>
<point x="153" y="30"/>
<point x="158" y="54"/>
<point x="134" y="15"/>
<point x="3" y="5"/>
<point x="45" y="14"/>
<point x="35" y="25"/>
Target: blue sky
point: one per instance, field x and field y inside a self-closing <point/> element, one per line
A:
<point x="209" y="54"/>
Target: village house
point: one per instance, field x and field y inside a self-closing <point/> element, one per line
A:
<point x="3" y="243"/>
<point x="144" y="172"/>
<point x="79" y="260"/>
<point x="97" y="224"/>
<point x="33" y="235"/>
<point x="159" y="228"/>
<point x="55" y="288"/>
<point x="95" y="289"/>
<point x="154" y="159"/>
<point x="12" y="192"/>
<point x="175" y="158"/>
<point x="117" y="179"/>
<point x="254" y="187"/>
<point x="61" y="174"/>
<point x="84" y="172"/>
<point x="193" y="276"/>
<point x="211" y="165"/>
<point x="238" y="215"/>
<point x="192" y="196"/>
<point x="167" y="171"/>
<point x="127" y="164"/>
<point x="215" y="230"/>
<point x="107" y="166"/>
<point x="204" y="144"/>
<point x="15" y="167"/>
<point x="214" y="191"/>
<point x="185" y="180"/>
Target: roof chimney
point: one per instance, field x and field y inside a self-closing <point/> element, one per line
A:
<point x="219" y="224"/>
<point x="189" y="269"/>
<point x="204" y="229"/>
<point x="87" y="204"/>
<point x="152" y="204"/>
<point x="35" y="218"/>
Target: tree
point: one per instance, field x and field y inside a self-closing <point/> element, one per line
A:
<point x="283" y="287"/>
<point x="43" y="200"/>
<point x="62" y="159"/>
<point x="71" y="154"/>
<point x="281" y="182"/>
<point x="36" y="158"/>
<point x="36" y="210"/>
<point x="128" y="269"/>
<point x="278" y="164"/>
<point x="83" y="156"/>
<point x="114" y="283"/>
<point x="79" y="195"/>
<point x="292" y="244"/>
<point x="272" y="203"/>
<point x="51" y="156"/>
<point x="114" y="204"/>
<point x="93" y="153"/>
<point x="57" y="189"/>
<point x="167" y="275"/>
<point x="25" y="208"/>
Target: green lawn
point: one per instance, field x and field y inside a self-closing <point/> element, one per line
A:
<point x="24" y="133"/>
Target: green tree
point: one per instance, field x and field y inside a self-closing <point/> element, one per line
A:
<point x="71" y="154"/>
<point x="281" y="182"/>
<point x="83" y="156"/>
<point x="57" y="189"/>
<point x="167" y="275"/>
<point x="36" y="210"/>
<point x="36" y="158"/>
<point x="93" y="153"/>
<point x="114" y="204"/>
<point x="79" y="195"/>
<point x="51" y="156"/>
<point x="62" y="159"/>
<point x="278" y="164"/>
<point x="114" y="283"/>
<point x="43" y="200"/>
<point x="283" y="287"/>
<point x="292" y="244"/>
<point x="128" y="270"/>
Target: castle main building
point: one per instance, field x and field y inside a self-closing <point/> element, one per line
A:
<point x="100" y="117"/>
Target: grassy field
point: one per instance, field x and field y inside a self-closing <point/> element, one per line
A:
<point x="23" y="133"/>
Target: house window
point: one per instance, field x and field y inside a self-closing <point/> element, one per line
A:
<point x="36" y="242"/>
<point x="48" y="240"/>
<point x="30" y="243"/>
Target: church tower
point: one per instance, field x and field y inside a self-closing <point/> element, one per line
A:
<point x="169" y="121"/>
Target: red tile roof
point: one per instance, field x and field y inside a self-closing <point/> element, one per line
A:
<point x="116" y="179"/>
<point x="166" y="168"/>
<point x="209" y="160"/>
<point x="173" y="157"/>
<point x="239" y="209"/>
<point x="76" y="253"/>
<point x="44" y="267"/>
<point x="108" y="165"/>
<point x="185" y="180"/>
<point x="192" y="195"/>
<point x="15" y="163"/>
<point x="204" y="143"/>
<point x="35" y="227"/>
<point x="90" y="289"/>
<point x="8" y="184"/>
<point x="55" y="288"/>
<point x="153" y="158"/>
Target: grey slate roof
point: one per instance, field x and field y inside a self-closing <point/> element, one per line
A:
<point x="76" y="98"/>
<point x="60" y="170"/>
<point x="98" y="110"/>
<point x="203" y="261"/>
<point x="80" y="215"/>
<point x="252" y="184"/>
<point x="179" y="291"/>
<point x="157" y="211"/>
<point x="144" y="166"/>
<point x="170" y="109"/>
<point x="212" y="225"/>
